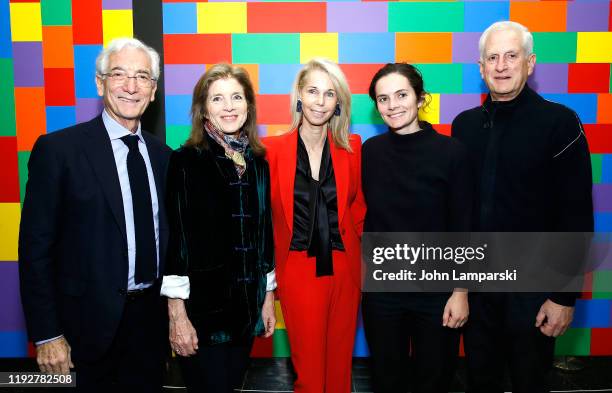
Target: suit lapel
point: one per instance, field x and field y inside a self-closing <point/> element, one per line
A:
<point x="288" y="164"/>
<point x="340" y="161"/>
<point x="98" y="149"/>
<point x="158" y="173"/>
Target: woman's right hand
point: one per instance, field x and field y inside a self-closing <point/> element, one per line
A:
<point x="183" y="336"/>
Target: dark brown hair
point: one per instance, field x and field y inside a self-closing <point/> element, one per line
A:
<point x="410" y="72"/>
<point x="200" y="97"/>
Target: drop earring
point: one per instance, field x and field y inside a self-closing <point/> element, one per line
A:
<point x="337" y="110"/>
<point x="298" y="107"/>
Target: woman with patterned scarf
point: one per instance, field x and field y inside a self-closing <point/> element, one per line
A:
<point x="220" y="263"/>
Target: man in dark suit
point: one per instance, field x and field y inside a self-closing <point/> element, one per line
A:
<point x="93" y="234"/>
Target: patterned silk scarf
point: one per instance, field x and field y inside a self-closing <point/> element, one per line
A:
<point x="234" y="146"/>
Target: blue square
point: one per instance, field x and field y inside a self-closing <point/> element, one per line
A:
<point x="59" y="117"/>
<point x="85" y="70"/>
<point x="13" y="344"/>
<point x="606" y="168"/>
<point x="603" y="222"/>
<point x="585" y="105"/>
<point x="480" y="15"/>
<point x="593" y="313"/>
<point x="472" y="81"/>
<point x="6" y="47"/>
<point x="180" y="18"/>
<point x="367" y="131"/>
<point x="360" y="348"/>
<point x="177" y="110"/>
<point x="277" y="78"/>
<point x="368" y="48"/>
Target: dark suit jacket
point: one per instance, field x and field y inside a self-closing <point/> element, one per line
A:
<point x="73" y="257"/>
<point x="281" y="153"/>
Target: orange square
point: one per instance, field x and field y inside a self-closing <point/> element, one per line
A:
<point x="277" y="129"/>
<point x="540" y="15"/>
<point x="57" y="47"/>
<point x="424" y="47"/>
<point x="30" y="116"/>
<point x="253" y="70"/>
<point x="604" y="109"/>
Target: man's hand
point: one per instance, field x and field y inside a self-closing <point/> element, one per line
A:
<point x="456" y="310"/>
<point x="268" y="314"/>
<point x="53" y="357"/>
<point x="183" y="336"/>
<point x="554" y="319"/>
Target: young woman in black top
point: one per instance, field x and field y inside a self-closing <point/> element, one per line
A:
<point x="414" y="180"/>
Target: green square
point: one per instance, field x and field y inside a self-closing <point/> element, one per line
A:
<point x="602" y="284"/>
<point x="7" y="98"/>
<point x="363" y="110"/>
<point x="280" y="344"/>
<point x="555" y="47"/>
<point x="575" y="342"/>
<point x="426" y="16"/>
<point x="177" y="135"/>
<point x="596" y="164"/>
<point x="442" y="78"/>
<point x="22" y="162"/>
<point x="265" y="48"/>
<point x="56" y="12"/>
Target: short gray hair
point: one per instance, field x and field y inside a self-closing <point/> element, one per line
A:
<point x="117" y="45"/>
<point x="526" y="37"/>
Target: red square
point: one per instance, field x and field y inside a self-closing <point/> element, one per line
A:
<point x="281" y="17"/>
<point x="59" y="87"/>
<point x="197" y="48"/>
<point x="601" y="341"/>
<point x="9" y="170"/>
<point x="359" y="76"/>
<point x="273" y="109"/>
<point x="444" y="129"/>
<point x="87" y="22"/>
<point x="588" y="78"/>
<point x="599" y="137"/>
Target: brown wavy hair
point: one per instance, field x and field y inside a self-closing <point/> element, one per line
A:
<point x="200" y="97"/>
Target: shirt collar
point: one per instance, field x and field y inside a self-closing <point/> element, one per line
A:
<point x="116" y="130"/>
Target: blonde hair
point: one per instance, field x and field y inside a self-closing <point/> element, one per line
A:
<point x="339" y="125"/>
<point x="200" y="97"/>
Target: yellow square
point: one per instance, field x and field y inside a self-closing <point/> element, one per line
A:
<point x="26" y="22"/>
<point x="9" y="230"/>
<point x="280" y="321"/>
<point x="222" y="18"/>
<point x="594" y="47"/>
<point x="318" y="45"/>
<point x="431" y="112"/>
<point x="116" y="24"/>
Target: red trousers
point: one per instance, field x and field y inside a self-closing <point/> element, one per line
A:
<point x="320" y="315"/>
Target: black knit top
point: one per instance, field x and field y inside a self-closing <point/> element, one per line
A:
<point x="416" y="183"/>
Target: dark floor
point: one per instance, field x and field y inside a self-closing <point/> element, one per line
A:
<point x="276" y="376"/>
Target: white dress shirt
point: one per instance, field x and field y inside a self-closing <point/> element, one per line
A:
<point x="120" y="152"/>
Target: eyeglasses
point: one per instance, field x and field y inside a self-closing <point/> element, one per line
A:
<point x="119" y="77"/>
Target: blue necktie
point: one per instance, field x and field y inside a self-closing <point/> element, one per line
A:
<point x="146" y="251"/>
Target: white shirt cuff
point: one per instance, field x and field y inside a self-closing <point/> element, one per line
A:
<point x="271" y="281"/>
<point x="175" y="287"/>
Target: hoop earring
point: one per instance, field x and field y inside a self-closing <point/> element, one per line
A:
<point x="298" y="107"/>
<point x="337" y="110"/>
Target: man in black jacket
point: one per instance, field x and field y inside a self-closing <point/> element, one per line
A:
<point x="532" y="173"/>
<point x="93" y="235"/>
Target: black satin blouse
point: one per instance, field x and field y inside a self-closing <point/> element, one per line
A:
<point x="315" y="210"/>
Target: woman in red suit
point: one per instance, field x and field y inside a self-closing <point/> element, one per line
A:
<point x="318" y="212"/>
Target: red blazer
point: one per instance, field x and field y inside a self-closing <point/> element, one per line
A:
<point x="281" y="153"/>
